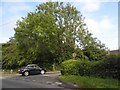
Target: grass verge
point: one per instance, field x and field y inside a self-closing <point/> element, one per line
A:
<point x="90" y="82"/>
<point x="8" y="72"/>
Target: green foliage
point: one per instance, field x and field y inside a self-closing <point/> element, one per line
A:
<point x="108" y="68"/>
<point x="50" y="35"/>
<point x="102" y="68"/>
<point x="9" y="56"/>
<point x="70" y="67"/>
<point x="94" y="53"/>
<point x="112" y="66"/>
<point x="54" y="31"/>
<point x="84" y="68"/>
<point x="80" y="54"/>
<point x="76" y="67"/>
<point x="113" y="57"/>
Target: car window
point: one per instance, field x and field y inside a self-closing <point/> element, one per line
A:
<point x="30" y="66"/>
<point x="36" y="66"/>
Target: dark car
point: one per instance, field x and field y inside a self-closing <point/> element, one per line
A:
<point x="31" y="69"/>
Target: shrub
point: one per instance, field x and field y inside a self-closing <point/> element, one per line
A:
<point x="79" y="67"/>
<point x="70" y="67"/>
<point x="97" y="68"/>
<point x="102" y="68"/>
<point x="84" y="67"/>
<point x="112" y="66"/>
<point x="91" y="68"/>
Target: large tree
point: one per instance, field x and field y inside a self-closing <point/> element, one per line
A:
<point x="53" y="32"/>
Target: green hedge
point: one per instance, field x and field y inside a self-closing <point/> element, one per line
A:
<point x="103" y="68"/>
<point x="70" y="67"/>
<point x="78" y="67"/>
<point x="112" y="65"/>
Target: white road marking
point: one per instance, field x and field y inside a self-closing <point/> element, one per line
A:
<point x="58" y="83"/>
<point x="46" y="75"/>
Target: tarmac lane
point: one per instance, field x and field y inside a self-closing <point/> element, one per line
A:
<point x="48" y="81"/>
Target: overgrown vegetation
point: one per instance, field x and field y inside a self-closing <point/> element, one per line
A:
<point x="50" y="35"/>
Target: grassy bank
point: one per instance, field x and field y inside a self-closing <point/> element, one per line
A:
<point x="90" y="82"/>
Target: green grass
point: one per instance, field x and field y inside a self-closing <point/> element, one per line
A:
<point x="90" y="82"/>
<point x="8" y="72"/>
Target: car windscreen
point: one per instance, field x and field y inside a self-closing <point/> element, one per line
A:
<point x="30" y="66"/>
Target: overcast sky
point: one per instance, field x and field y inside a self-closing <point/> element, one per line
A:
<point x="101" y="17"/>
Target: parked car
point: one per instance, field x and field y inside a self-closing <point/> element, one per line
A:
<point x="31" y="69"/>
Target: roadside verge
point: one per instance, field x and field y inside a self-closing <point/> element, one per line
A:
<point x="68" y="85"/>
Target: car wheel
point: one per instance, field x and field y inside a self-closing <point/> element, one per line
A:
<point x="42" y="72"/>
<point x="26" y="73"/>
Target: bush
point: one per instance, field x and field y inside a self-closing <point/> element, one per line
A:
<point x="102" y="68"/>
<point x="91" y="68"/>
<point x="112" y="66"/>
<point x="70" y="67"/>
<point x="75" y="67"/>
<point x="98" y="69"/>
<point x="78" y="67"/>
<point x="83" y="67"/>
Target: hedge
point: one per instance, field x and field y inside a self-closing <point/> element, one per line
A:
<point x="70" y="67"/>
<point x="103" y="68"/>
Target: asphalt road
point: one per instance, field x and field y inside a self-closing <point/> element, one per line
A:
<point x="34" y="81"/>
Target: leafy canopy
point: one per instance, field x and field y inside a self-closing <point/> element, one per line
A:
<point x="52" y="33"/>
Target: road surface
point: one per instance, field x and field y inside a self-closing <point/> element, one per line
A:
<point x="34" y="81"/>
